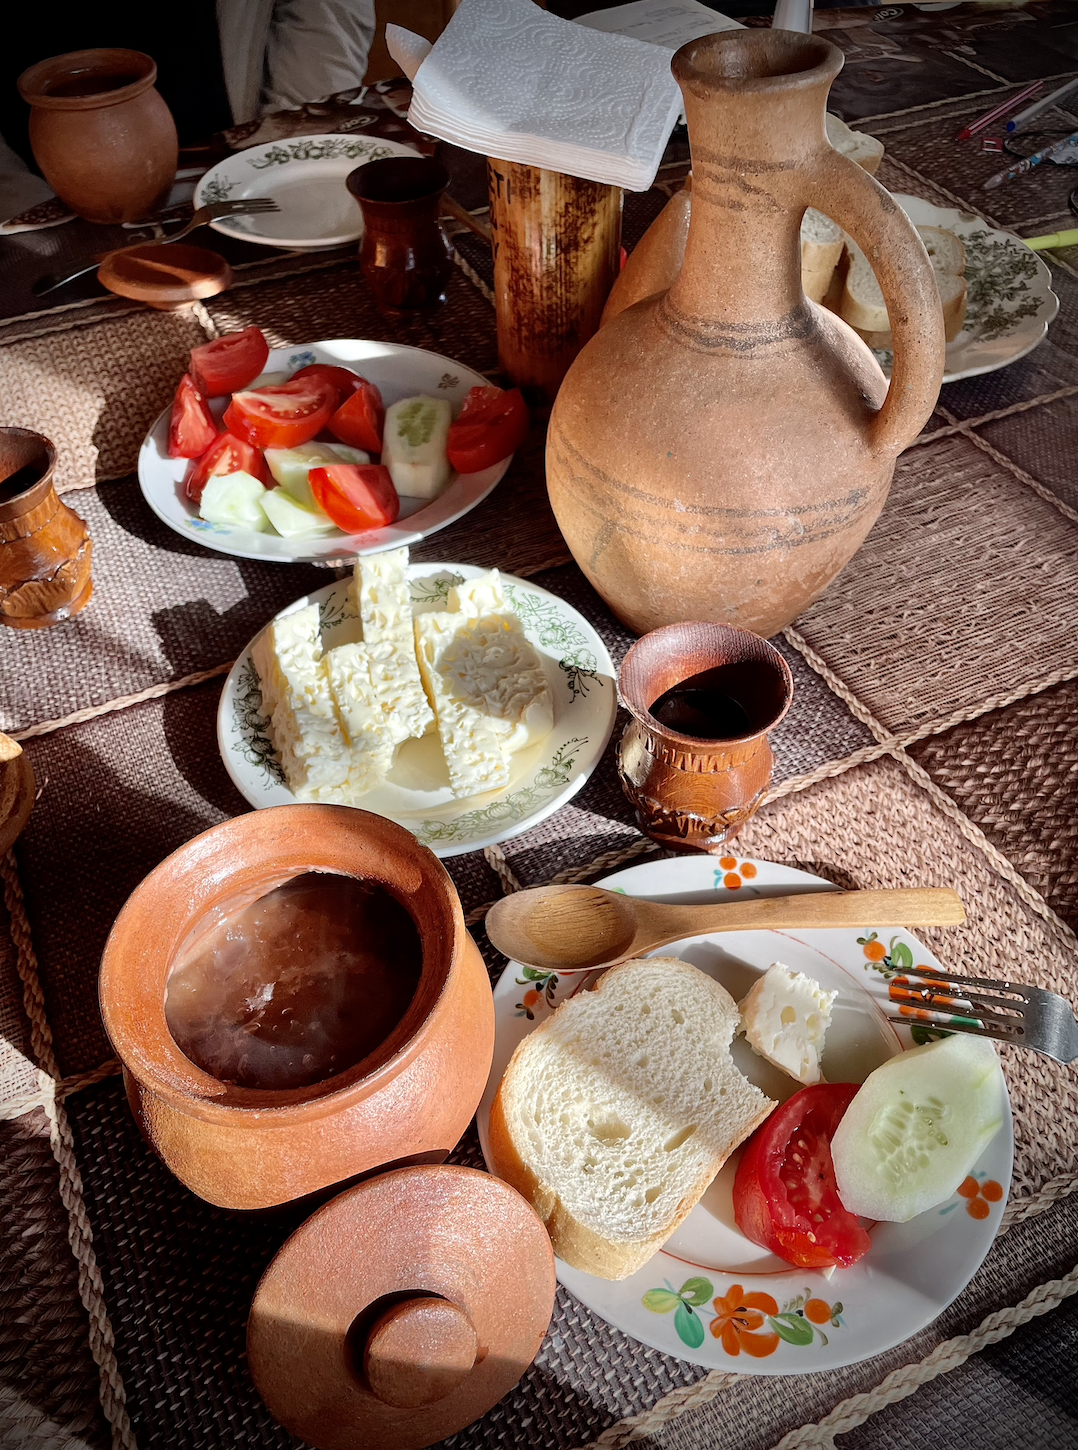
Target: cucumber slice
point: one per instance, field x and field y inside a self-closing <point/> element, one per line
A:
<point x="414" y="443"/>
<point x="917" y="1126"/>
<point x="290" y="518"/>
<point x="290" y="466"/>
<point x="234" y="498"/>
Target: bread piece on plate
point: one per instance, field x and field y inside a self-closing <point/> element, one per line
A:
<point x="862" y="304"/>
<point x="821" y="247"/>
<point x="859" y="147"/>
<point x="615" y="1115"/>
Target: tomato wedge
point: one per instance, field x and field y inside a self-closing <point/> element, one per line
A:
<point x="230" y="362"/>
<point x="356" y="496"/>
<point x="191" y="428"/>
<point x="281" y="417"/>
<point x="343" y="379"/>
<point x="360" y="419"/>
<point x="228" y="454"/>
<point x="785" y="1194"/>
<point x="492" y="425"/>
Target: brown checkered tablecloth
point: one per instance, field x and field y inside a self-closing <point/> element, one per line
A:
<point x="933" y="740"/>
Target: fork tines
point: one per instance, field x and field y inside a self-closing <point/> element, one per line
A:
<point x="254" y="204"/>
<point x="977" y="1006"/>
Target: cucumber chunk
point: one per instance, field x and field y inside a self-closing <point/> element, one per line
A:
<point x="917" y="1126"/>
<point x="290" y="466"/>
<point x="414" y="444"/>
<point x="291" y="519"/>
<point x="234" y="498"/>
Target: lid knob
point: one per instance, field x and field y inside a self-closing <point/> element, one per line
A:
<point x="419" y="1351"/>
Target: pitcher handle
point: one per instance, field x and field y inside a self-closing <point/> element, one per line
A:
<point x="846" y="192"/>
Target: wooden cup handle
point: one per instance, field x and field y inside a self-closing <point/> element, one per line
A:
<point x="846" y="192"/>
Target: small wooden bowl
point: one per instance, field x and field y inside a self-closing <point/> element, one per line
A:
<point x="165" y="277"/>
<point x="17" y="790"/>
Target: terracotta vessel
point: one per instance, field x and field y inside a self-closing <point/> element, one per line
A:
<point x="719" y="451"/>
<point x="402" y="1311"/>
<point x="45" y="548"/>
<point x="656" y="259"/>
<point x="17" y="790"/>
<point x="557" y="245"/>
<point x="167" y="278"/>
<point x="103" y="137"/>
<point x="405" y="256"/>
<point x="250" y="1148"/>
<point x="692" y="794"/>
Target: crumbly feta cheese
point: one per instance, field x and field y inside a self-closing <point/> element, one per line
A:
<point x="383" y="601"/>
<point x="360" y="714"/>
<point x="470" y="743"/>
<point x="785" y="1018"/>
<point x="303" y="724"/>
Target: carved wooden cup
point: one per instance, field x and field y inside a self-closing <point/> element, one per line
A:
<point x="45" y="548"/>
<point x="692" y="794"/>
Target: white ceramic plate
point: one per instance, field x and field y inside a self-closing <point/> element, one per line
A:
<point x="416" y="793"/>
<point x="399" y="372"/>
<point x="1010" y="301"/>
<point x="708" y="1271"/>
<point x="305" y="177"/>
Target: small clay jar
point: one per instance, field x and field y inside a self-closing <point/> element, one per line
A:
<point x="408" y="1100"/>
<point x="45" y="548"/>
<point x="404" y="254"/>
<point x="102" y="135"/>
<point x="691" y="793"/>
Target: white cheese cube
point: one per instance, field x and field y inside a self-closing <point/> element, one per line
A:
<point x="303" y="723"/>
<point x="383" y="601"/>
<point x="361" y="715"/>
<point x="414" y="444"/>
<point x="473" y="752"/>
<point x="785" y="1017"/>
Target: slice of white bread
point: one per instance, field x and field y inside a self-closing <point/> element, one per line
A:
<point x="859" y="147"/>
<point x="615" y="1115"/>
<point x="821" y="247"/>
<point x="862" y="304"/>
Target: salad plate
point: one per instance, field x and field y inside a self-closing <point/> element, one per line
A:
<point x="399" y="372"/>
<point x="1009" y="297"/>
<point x="305" y="177"/>
<point x="709" y="1295"/>
<point x="416" y="793"/>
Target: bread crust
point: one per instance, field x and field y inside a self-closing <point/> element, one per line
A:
<point x="573" y="1242"/>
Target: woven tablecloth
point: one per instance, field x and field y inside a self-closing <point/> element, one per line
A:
<point x="933" y="740"/>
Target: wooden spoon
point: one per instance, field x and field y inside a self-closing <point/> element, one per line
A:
<point x="580" y="928"/>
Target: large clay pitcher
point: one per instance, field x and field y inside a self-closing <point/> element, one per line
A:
<point x="719" y="451"/>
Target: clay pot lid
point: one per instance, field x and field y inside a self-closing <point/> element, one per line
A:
<point x="403" y="1310"/>
<point x="165" y="276"/>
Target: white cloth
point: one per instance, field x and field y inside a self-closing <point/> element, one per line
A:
<point x="509" y="80"/>
<point x="20" y="189"/>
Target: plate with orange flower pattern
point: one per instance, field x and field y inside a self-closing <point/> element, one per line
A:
<point x="710" y="1296"/>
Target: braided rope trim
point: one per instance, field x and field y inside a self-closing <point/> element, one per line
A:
<point x="958" y="201"/>
<point x="1019" y="473"/>
<point x="671" y="1407"/>
<point x="972" y="833"/>
<point x="122" y="702"/>
<point x="957" y="101"/>
<point x="949" y="1355"/>
<point x="495" y="859"/>
<point x="80" y="1236"/>
<point x="473" y="277"/>
<point x="965" y="425"/>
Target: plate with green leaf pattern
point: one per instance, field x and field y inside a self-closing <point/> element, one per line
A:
<point x="416" y="792"/>
<point x="1009" y="297"/>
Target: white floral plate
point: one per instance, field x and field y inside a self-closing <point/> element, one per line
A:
<point x="1009" y="297"/>
<point x="399" y="372"/>
<point x="416" y="793"/>
<point x="305" y="177"/>
<point x="711" y="1296"/>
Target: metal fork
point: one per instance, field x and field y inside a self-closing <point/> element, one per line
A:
<point x="251" y="206"/>
<point x="1006" y="1011"/>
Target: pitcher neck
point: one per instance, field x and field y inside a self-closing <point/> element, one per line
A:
<point x="755" y="102"/>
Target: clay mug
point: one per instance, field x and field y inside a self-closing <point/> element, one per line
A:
<point x="45" y="548"/>
<point x="720" y="450"/>
<point x="691" y="793"/>
<point x="102" y="135"/>
<point x="409" y="1099"/>
<point x="404" y="254"/>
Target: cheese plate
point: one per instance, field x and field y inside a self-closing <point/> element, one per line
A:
<point x="399" y="372"/>
<point x="416" y="792"/>
<point x="709" y="1295"/>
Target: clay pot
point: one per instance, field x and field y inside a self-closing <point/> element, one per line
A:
<point x="656" y="259"/>
<point x="692" y="794"/>
<point x="45" y="548"/>
<point x="103" y="137"/>
<point x="719" y="451"/>
<point x="404" y="255"/>
<point x="557" y="245"/>
<point x="250" y="1148"/>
